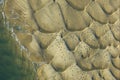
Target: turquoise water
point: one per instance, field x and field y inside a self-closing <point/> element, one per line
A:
<point x="13" y="63"/>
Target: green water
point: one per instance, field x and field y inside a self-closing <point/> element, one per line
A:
<point x="13" y="63"/>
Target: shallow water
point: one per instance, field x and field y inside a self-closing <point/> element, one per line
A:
<point x="13" y="63"/>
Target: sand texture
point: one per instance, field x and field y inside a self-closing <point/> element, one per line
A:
<point x="69" y="39"/>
